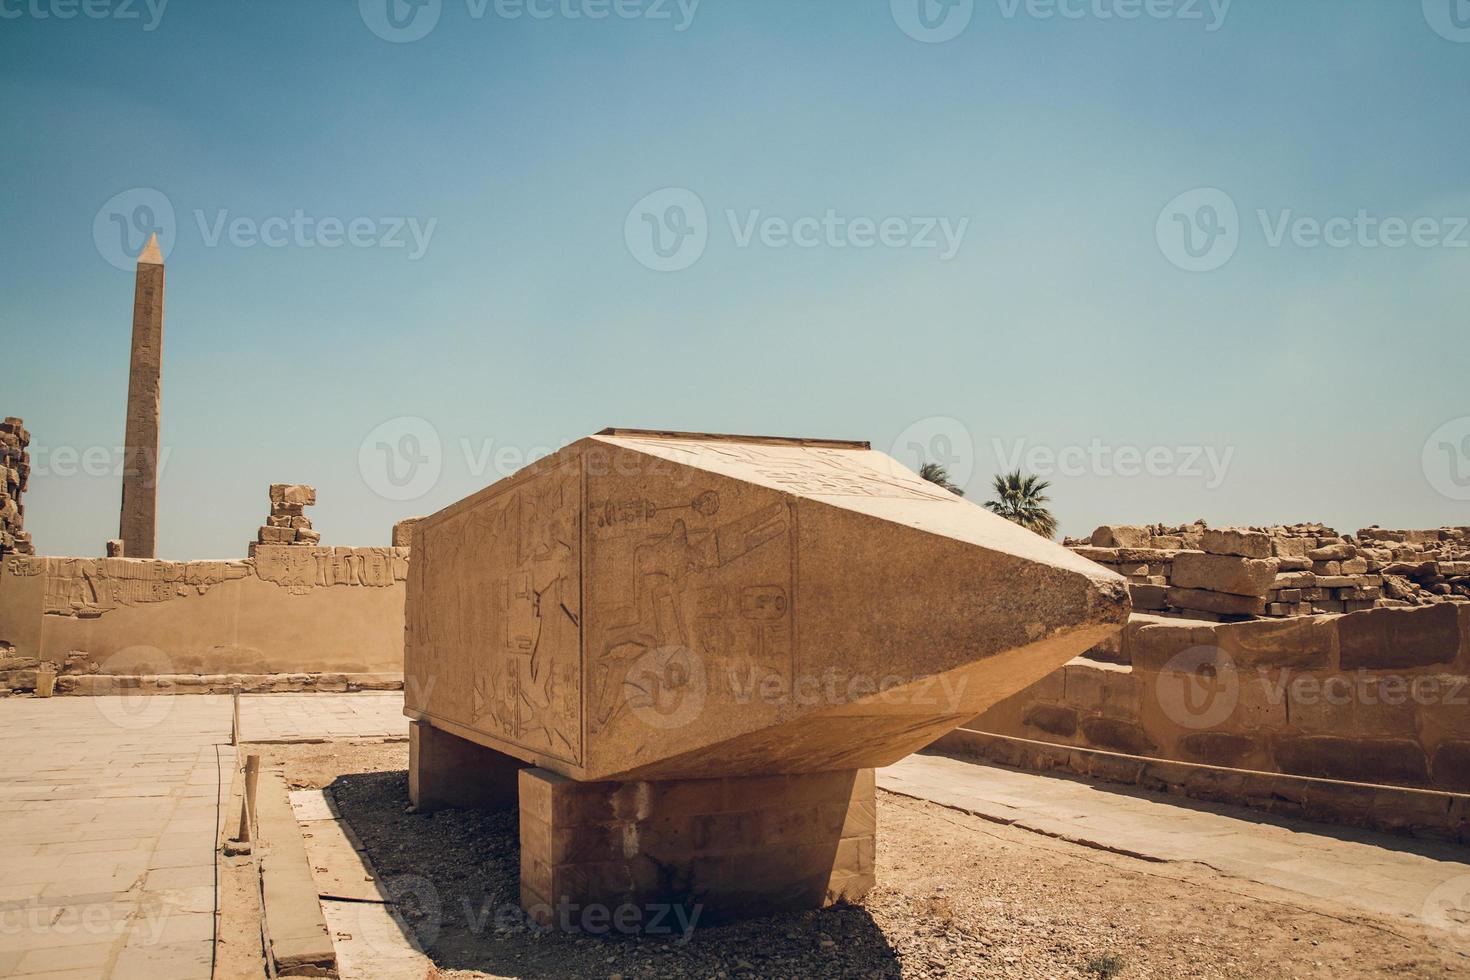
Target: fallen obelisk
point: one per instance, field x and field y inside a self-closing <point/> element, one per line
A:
<point x="681" y="656"/>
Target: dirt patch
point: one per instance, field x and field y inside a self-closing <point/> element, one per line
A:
<point x="957" y="897"/>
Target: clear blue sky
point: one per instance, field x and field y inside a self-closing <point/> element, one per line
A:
<point x="1315" y="374"/>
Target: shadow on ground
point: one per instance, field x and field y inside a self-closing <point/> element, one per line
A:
<point x="454" y="876"/>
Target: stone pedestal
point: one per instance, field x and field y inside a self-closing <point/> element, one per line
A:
<point x="669" y="854"/>
<point x="448" y="771"/>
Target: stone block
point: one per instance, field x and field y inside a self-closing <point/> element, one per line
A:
<point x="403" y="532"/>
<point x="276" y="535"/>
<point x="293" y="493"/>
<point x="1224" y="573"/>
<point x="1054" y="719"/>
<point x="726" y="848"/>
<point x="1219" y="603"/>
<point x="445" y="770"/>
<point x="1451" y="766"/>
<point x="1122" y="536"/>
<point x="1118" y="736"/>
<point x="1302" y="643"/>
<point x="1149" y="597"/>
<point x="1290" y="547"/>
<point x="1236" y="541"/>
<point x="1398" y="639"/>
<point x="1395" y="762"/>
<point x="1103" y="689"/>
<point x="1229" y="749"/>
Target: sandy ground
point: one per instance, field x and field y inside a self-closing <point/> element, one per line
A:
<point x="957" y="896"/>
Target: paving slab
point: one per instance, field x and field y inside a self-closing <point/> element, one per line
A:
<point x="1398" y="877"/>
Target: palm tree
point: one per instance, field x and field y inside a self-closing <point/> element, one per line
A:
<point x="939" y="476"/>
<point x="1020" y="499"/>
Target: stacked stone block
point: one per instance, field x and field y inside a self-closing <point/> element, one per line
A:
<point x="288" y="523"/>
<point x="15" y="472"/>
<point x="1232" y="574"/>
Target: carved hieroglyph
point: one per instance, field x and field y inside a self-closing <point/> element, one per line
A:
<point x="647" y="605"/>
<point x="94" y="586"/>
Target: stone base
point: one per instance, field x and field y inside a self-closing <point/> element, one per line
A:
<point x="668" y="855"/>
<point x="448" y="771"/>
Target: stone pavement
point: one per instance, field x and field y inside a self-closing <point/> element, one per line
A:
<point x="1398" y="877"/>
<point x="109" y="811"/>
<point x="311" y="717"/>
<point x="108" y="814"/>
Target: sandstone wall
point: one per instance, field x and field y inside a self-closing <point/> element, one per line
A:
<point x="290" y="610"/>
<point x="1380" y="696"/>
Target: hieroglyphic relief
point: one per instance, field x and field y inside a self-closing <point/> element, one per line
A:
<point x="93" y="586"/>
<point x="301" y="569"/>
<point x="689" y="578"/>
<point x="505" y="574"/>
<point x="817" y="471"/>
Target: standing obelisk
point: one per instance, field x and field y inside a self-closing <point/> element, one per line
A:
<point x="145" y="382"/>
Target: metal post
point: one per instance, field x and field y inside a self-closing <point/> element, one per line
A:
<point x="247" y="801"/>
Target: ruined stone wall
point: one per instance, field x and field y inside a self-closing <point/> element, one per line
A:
<point x="290" y="610"/>
<point x="1235" y="574"/>
<point x="1380" y="696"/>
<point x="15" y="474"/>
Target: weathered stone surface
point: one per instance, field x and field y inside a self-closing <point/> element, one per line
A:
<point x="1395" y="639"/>
<point x="731" y="846"/>
<point x="647" y="605"/>
<point x="1236" y="541"/>
<point x="138" y="524"/>
<point x="1397" y="762"/>
<point x="1224" y="573"/>
<point x="1122" y="536"/>
<point x="1304" y="643"/>
<point x="1451" y="766"/>
<point x="1052" y="719"/>
<point x="447" y="771"/>
<point x="1216" y="602"/>
<point x="1218" y="748"/>
<point x="1118" y="736"/>
<point x="403" y="532"/>
<point x="293" y="493"/>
